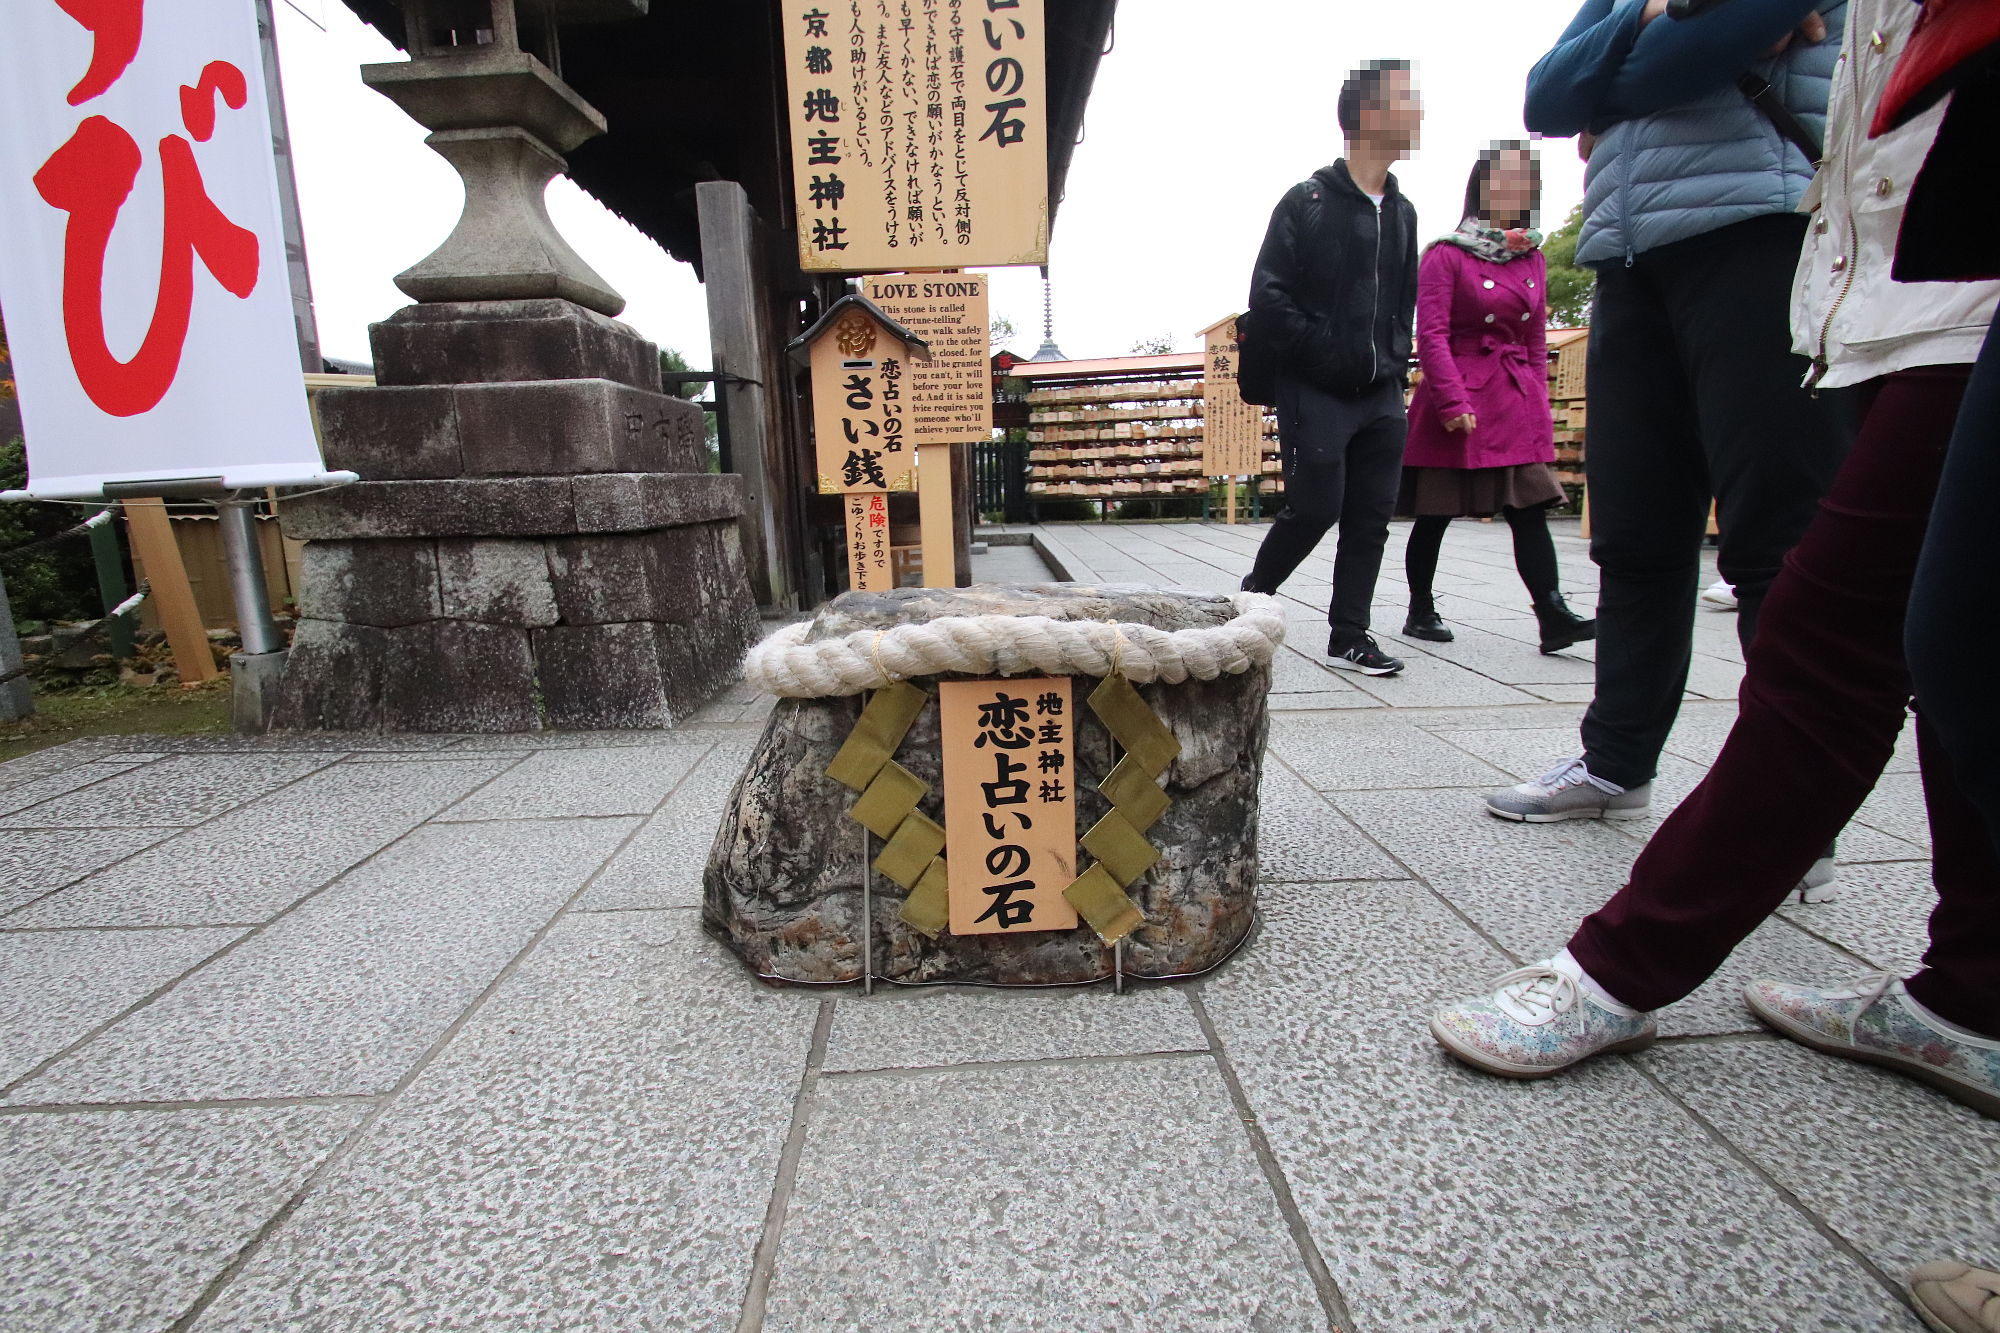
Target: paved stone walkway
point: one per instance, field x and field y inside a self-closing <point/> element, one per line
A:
<point x="421" y="1033"/>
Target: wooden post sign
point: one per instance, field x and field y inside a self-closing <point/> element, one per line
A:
<point x="950" y="391"/>
<point x="860" y="360"/>
<point x="1232" y="431"/>
<point x="868" y="563"/>
<point x="919" y="133"/>
<point x="1009" y="803"/>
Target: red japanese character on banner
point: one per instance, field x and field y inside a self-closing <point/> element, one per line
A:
<point x="117" y="25"/>
<point x="91" y="176"/>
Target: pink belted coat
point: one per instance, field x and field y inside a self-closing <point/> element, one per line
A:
<point x="1483" y="345"/>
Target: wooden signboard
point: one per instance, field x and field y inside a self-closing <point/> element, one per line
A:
<point x="1232" y="431"/>
<point x="861" y="397"/>
<point x="868" y="562"/>
<point x="1009" y="803"/>
<point x="919" y="133"/>
<point x="950" y="391"/>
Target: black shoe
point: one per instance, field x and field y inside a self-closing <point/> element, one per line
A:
<point x="1425" y="623"/>
<point x="1250" y="584"/>
<point x="1561" y="627"/>
<point x="1362" y="655"/>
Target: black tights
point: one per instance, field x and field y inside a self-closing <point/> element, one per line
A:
<point x="1534" y="553"/>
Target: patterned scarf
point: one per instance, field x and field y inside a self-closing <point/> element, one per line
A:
<point x="1491" y="243"/>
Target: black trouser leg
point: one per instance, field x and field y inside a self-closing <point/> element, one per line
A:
<point x="1312" y="451"/>
<point x="1374" y="475"/>
<point x="1693" y="391"/>
<point x="1534" y="552"/>
<point x="1955" y="601"/>
<point x="1420" y="560"/>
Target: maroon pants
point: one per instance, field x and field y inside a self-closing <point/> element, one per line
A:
<point x="1822" y="700"/>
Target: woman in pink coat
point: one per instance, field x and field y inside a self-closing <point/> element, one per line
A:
<point x="1481" y="438"/>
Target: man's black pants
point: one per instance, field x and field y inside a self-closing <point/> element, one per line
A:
<point x="1343" y="463"/>
<point x="1694" y="393"/>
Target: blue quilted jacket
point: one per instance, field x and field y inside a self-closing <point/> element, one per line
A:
<point x="1680" y="150"/>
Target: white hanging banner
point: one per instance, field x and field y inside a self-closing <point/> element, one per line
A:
<point x="142" y="263"/>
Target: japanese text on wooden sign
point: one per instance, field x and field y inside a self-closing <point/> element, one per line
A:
<point x="861" y="397"/>
<point x="1232" y="431"/>
<point x="1009" y="803"/>
<point x="919" y="133"/>
<point x="951" y="391"/>
<point x="143" y="263"/>
<point x="868" y="562"/>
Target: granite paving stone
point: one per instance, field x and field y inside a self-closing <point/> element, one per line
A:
<point x="927" y="1026"/>
<point x="1119" y="1195"/>
<point x="1427" y="681"/>
<point x="342" y="994"/>
<point x="55" y="986"/>
<point x="1445" y="1199"/>
<point x="1903" y="1172"/>
<point x="1301" y="837"/>
<point x="1318" y="702"/>
<point x="1529" y="885"/>
<point x="662" y="865"/>
<point x="118" y="1221"/>
<point x="595" y="1150"/>
<point x="224" y="871"/>
<point x="1372" y="750"/>
<point x="1880" y="913"/>
<point x="1292" y="672"/>
<point x="186" y="789"/>
<point x="37" y="861"/>
<point x="37" y="790"/>
<point x="563" y="784"/>
<point x="1896" y="807"/>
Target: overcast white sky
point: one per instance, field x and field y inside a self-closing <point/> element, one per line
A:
<point x="1195" y="127"/>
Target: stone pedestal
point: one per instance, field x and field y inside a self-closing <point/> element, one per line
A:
<point x="784" y="881"/>
<point x="532" y="545"/>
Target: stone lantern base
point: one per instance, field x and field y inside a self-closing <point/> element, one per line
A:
<point x="534" y="544"/>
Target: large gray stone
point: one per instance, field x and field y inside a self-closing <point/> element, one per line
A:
<point x="527" y="428"/>
<point x="391" y="433"/>
<point x="595" y="425"/>
<point x="385" y="583"/>
<point x="515" y="506"/>
<point x="783" y="886"/>
<point x="498" y="582"/>
<point x="605" y="677"/>
<point x="459" y="675"/>
<point x="483" y="342"/>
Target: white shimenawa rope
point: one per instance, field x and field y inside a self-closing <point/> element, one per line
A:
<point x="786" y="665"/>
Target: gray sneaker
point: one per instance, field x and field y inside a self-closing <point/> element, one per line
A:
<point x="1566" y="792"/>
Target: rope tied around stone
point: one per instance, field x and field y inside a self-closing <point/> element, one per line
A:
<point x="786" y="665"/>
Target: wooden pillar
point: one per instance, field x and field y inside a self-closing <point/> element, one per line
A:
<point x="153" y="545"/>
<point x="745" y="345"/>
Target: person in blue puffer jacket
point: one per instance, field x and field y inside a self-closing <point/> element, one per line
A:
<point x="1691" y="198"/>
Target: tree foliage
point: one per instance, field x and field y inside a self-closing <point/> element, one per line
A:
<point x="1157" y="345"/>
<point x="1570" y="286"/>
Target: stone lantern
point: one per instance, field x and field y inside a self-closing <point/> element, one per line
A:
<point x="534" y="542"/>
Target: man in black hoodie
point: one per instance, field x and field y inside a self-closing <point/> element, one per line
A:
<point x="1331" y="304"/>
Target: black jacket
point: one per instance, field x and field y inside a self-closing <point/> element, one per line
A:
<point x="1334" y="293"/>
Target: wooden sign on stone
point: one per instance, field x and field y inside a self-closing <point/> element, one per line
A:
<point x="1009" y="803"/>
